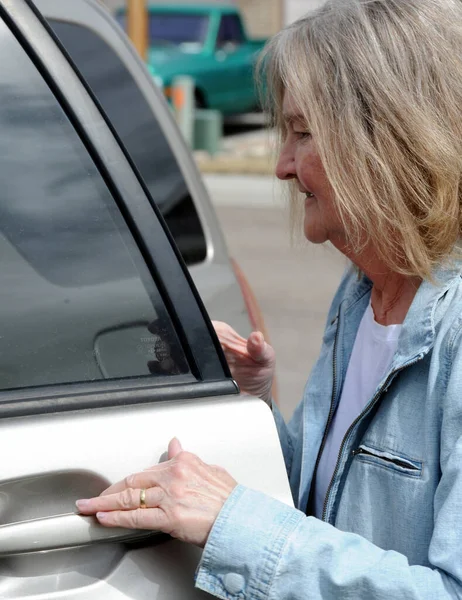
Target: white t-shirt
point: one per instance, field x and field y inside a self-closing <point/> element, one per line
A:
<point x="371" y="356"/>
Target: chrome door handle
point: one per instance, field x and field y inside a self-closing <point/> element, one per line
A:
<point x="62" y="531"/>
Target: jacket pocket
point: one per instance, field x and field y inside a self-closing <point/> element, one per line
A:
<point x="389" y="460"/>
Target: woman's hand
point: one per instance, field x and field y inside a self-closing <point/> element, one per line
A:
<point x="252" y="361"/>
<point x="183" y="497"/>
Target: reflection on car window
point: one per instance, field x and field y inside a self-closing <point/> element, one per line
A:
<point x="138" y="129"/>
<point x="77" y="302"/>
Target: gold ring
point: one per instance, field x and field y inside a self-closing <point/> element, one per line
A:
<point x="143" y="498"/>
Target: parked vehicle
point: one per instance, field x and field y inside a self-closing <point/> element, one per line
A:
<point x="208" y="42"/>
<point x="103" y="334"/>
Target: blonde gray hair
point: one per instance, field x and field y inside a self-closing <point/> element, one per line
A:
<point x="379" y="84"/>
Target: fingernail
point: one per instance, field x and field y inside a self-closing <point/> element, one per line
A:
<point x="101" y="516"/>
<point x="82" y="504"/>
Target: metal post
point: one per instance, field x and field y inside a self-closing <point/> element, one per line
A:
<point x="183" y="104"/>
<point x="137" y="25"/>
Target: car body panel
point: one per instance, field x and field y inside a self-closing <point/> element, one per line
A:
<point x="61" y="440"/>
<point x="75" y="460"/>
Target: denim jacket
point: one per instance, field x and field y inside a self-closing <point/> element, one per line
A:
<point x="392" y="520"/>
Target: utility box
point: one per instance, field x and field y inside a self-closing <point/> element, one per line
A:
<point x="208" y="130"/>
<point x="201" y="128"/>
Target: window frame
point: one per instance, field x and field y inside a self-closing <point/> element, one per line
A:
<point x="188" y="315"/>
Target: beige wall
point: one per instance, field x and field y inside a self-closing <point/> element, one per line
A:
<point x="262" y="17"/>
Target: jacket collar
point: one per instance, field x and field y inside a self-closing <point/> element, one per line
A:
<point x="418" y="332"/>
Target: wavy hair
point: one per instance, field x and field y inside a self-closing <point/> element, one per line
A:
<point x="379" y="84"/>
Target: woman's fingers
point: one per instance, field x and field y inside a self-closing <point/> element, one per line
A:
<point x="255" y="347"/>
<point x="174" y="448"/>
<point x="148" y="478"/>
<point x="258" y="349"/>
<point x="153" y="519"/>
<point x="229" y="338"/>
<point x="127" y="499"/>
<point x="182" y="497"/>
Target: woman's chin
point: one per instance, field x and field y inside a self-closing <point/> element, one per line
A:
<point x="315" y="235"/>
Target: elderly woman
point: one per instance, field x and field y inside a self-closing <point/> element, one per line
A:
<point x="367" y="95"/>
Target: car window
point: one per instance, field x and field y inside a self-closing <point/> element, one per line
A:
<point x="230" y="31"/>
<point x="77" y="302"/>
<point x="139" y="131"/>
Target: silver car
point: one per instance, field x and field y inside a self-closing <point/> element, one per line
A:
<point x="104" y="338"/>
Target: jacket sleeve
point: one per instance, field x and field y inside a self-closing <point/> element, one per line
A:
<point x="262" y="549"/>
<point x="259" y="548"/>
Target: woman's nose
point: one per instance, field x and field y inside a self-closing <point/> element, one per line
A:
<point x="285" y="167"/>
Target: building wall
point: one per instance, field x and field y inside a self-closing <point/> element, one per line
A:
<point x="262" y="17"/>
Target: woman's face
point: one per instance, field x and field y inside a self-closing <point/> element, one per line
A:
<point x="300" y="161"/>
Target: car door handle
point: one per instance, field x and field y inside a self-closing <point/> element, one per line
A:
<point x="61" y="531"/>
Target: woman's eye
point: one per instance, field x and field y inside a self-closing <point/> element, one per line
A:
<point x="302" y="134"/>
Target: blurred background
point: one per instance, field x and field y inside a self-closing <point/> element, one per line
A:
<point x="263" y="17"/>
<point x="218" y="112"/>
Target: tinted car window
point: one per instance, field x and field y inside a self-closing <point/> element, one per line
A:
<point x="139" y="130"/>
<point x="77" y="302"/>
<point x="230" y="31"/>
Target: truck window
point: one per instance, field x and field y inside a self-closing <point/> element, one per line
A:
<point x="182" y="30"/>
<point x="230" y="32"/>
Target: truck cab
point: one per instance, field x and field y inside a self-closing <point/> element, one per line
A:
<point x="209" y="43"/>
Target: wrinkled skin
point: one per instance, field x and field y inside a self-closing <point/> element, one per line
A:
<point x="183" y="498"/>
<point x="184" y="495"/>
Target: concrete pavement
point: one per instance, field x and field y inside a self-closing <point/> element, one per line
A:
<point x="256" y="191"/>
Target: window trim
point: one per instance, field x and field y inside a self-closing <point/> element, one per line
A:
<point x="201" y="346"/>
<point x="111" y="393"/>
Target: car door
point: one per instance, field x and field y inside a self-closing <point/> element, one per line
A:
<point x="141" y="116"/>
<point x="106" y="349"/>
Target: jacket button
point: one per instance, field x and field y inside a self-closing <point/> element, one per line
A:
<point x="234" y="583"/>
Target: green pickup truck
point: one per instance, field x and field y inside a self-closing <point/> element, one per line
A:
<point x="207" y="42"/>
